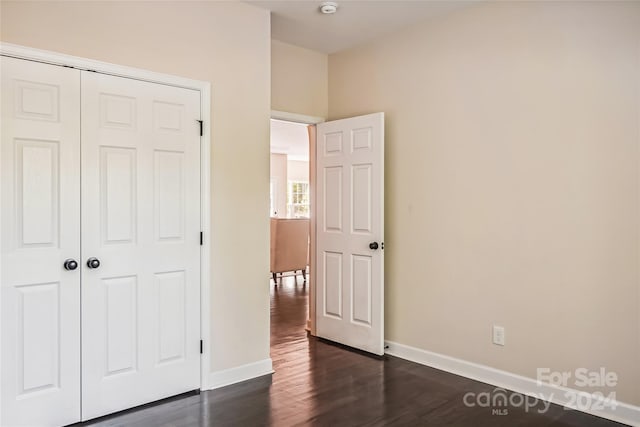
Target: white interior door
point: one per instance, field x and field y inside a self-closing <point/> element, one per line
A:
<point x="350" y="232"/>
<point x="40" y="197"/>
<point x="141" y="220"/>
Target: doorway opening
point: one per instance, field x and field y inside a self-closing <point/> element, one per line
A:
<point x="290" y="209"/>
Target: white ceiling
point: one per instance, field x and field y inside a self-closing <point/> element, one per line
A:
<point x="300" y="22"/>
<point x="291" y="139"/>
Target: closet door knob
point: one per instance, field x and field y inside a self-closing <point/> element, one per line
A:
<point x="93" y="263"/>
<point x="70" y="264"/>
<point x="373" y="246"/>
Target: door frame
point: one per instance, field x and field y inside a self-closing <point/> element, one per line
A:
<point x="309" y="120"/>
<point x="54" y="58"/>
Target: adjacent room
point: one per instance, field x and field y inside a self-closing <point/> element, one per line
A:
<point x="289" y="195"/>
<point x="289" y="211"/>
<point x="453" y="227"/>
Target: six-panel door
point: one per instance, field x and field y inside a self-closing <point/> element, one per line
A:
<point x="123" y="330"/>
<point x="40" y="214"/>
<point x="350" y="218"/>
<point x="141" y="220"/>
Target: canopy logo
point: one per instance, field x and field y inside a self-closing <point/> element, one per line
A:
<point x="500" y="400"/>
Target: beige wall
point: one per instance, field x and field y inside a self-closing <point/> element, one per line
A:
<point x="227" y="44"/>
<point x="279" y="174"/>
<point x="298" y="80"/>
<point x="512" y="151"/>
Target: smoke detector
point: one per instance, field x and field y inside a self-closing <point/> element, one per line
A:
<point x="328" y="7"/>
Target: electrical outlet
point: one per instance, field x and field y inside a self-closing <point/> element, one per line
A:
<point x="498" y="335"/>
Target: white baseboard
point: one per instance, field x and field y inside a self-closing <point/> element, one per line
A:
<point x="622" y="412"/>
<point x="240" y="373"/>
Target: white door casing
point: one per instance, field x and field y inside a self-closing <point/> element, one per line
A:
<point x="141" y="220"/>
<point x="350" y="212"/>
<point x="40" y="199"/>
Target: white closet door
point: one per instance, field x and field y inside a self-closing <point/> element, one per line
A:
<point x="40" y="196"/>
<point x="141" y="220"/>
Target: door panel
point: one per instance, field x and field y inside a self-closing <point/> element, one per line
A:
<point x="332" y="202"/>
<point x="171" y="311"/>
<point x="40" y="196"/>
<point x="332" y="284"/>
<point x="169" y="197"/>
<point x="37" y="192"/>
<point x="361" y="265"/>
<point x="350" y="186"/>
<point x="141" y="219"/>
<point x="121" y="324"/>
<point x="118" y="195"/>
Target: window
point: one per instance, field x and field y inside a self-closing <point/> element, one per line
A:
<point x="298" y="199"/>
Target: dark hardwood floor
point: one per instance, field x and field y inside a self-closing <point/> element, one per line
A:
<point x="317" y="383"/>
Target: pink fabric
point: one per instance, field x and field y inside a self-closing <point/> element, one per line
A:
<point x="289" y="244"/>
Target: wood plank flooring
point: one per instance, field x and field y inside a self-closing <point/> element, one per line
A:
<point x="320" y="384"/>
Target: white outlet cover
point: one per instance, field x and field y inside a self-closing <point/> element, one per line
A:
<point x="498" y="335"/>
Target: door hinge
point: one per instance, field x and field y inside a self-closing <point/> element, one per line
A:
<point x="201" y="238"/>
<point x="201" y="127"/>
<point x="201" y="347"/>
